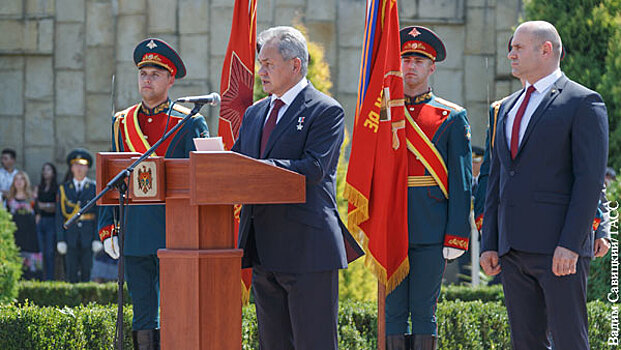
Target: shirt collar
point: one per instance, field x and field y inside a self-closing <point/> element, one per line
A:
<point x="79" y="184"/>
<point x="162" y="107"/>
<point x="292" y="93"/>
<point x="544" y="83"/>
<point x="14" y="172"/>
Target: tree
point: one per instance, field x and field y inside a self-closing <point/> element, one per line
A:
<point x="590" y="30"/>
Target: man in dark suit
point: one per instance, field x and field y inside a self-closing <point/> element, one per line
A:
<point x="295" y="249"/>
<point x="545" y="181"/>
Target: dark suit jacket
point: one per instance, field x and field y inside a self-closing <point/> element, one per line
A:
<point x="548" y="195"/>
<point x="302" y="237"/>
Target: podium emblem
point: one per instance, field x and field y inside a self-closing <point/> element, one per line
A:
<point x="145" y="180"/>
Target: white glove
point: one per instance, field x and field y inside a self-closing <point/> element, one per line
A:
<point x="452" y="253"/>
<point x="111" y="246"/>
<point x="96" y="246"/>
<point x="61" y="247"/>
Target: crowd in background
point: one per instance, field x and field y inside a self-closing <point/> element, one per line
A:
<point x="36" y="211"/>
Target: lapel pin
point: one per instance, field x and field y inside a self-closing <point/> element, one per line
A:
<point x="300" y="123"/>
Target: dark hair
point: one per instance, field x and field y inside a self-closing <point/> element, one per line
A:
<point x="53" y="182"/>
<point x="10" y="151"/>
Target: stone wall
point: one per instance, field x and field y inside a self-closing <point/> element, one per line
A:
<point x="57" y="59"/>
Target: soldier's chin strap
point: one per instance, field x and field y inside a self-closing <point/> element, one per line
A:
<point x="120" y="183"/>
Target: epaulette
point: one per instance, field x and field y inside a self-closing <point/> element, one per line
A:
<point x="449" y="104"/>
<point x="183" y="110"/>
<point x="497" y="103"/>
<point x="122" y="113"/>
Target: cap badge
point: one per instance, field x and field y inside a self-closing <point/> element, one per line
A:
<point x="151" y="45"/>
<point x="414" y="32"/>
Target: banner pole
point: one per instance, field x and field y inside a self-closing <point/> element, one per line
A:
<point x="381" y="316"/>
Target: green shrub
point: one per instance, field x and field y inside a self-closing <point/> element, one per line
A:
<point x="466" y="293"/>
<point x="10" y="261"/>
<point x="461" y="325"/>
<point x="90" y="327"/>
<point x="62" y="294"/>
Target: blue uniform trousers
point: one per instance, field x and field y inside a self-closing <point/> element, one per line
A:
<point x="418" y="294"/>
<point x="143" y="283"/>
<point x="79" y="259"/>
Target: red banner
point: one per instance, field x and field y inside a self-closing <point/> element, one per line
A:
<point x="236" y="89"/>
<point x="377" y="175"/>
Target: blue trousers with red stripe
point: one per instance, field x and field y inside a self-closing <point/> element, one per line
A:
<point x="417" y="295"/>
<point x="143" y="282"/>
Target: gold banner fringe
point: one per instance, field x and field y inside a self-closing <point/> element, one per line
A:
<point x="354" y="219"/>
<point x="245" y="293"/>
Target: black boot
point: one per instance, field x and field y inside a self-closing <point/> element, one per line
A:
<point x="424" y="342"/>
<point x="397" y="342"/>
<point x="146" y="339"/>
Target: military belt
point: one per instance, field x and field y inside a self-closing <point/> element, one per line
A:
<point x="421" y="181"/>
<point x="89" y="216"/>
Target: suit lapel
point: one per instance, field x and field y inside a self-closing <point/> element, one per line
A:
<point x="296" y="108"/>
<point x="257" y="130"/>
<point x="501" y="136"/>
<point x="549" y="97"/>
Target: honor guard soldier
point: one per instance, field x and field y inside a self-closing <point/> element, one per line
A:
<point x="135" y="129"/>
<point x="80" y="241"/>
<point x="439" y="193"/>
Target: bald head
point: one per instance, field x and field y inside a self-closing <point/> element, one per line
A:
<point x="535" y="50"/>
<point x="544" y="32"/>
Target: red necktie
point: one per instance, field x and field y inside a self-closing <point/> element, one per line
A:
<point x="515" y="131"/>
<point x="270" y="124"/>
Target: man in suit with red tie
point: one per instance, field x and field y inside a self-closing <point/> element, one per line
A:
<point x="546" y="177"/>
<point x="295" y="249"/>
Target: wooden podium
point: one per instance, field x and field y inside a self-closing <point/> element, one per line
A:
<point x="200" y="269"/>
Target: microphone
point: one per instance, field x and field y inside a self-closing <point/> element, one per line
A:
<point x="212" y="99"/>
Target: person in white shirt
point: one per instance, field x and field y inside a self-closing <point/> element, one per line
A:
<point x="8" y="171"/>
<point x="545" y="182"/>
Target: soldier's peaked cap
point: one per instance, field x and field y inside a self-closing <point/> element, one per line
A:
<point x="154" y="52"/>
<point x="421" y="41"/>
<point x="79" y="156"/>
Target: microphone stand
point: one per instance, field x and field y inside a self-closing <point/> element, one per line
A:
<point x="120" y="183"/>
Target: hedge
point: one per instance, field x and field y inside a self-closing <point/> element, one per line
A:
<point x="10" y="262"/>
<point x="62" y="294"/>
<point x="462" y="325"/>
<point x="66" y="294"/>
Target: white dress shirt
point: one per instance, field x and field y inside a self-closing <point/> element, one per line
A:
<point x="6" y="179"/>
<point x="287" y="98"/>
<point x="79" y="185"/>
<point x="542" y="86"/>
